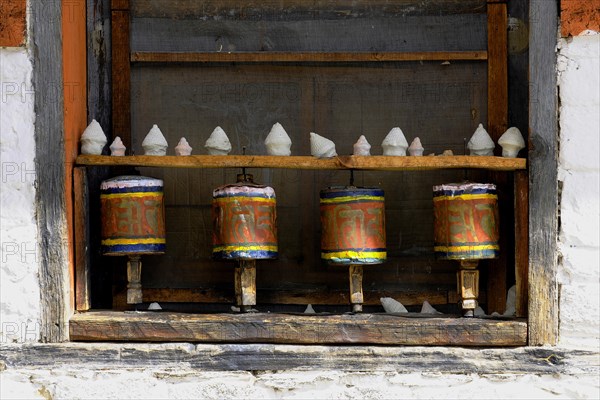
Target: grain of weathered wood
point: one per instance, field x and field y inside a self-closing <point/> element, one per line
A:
<point x="543" y="190"/>
<point x="299" y="329"/>
<point x="380" y="163"/>
<point x="121" y="76"/>
<point x="277" y="56"/>
<point x="521" y="241"/>
<point x="50" y="169"/>
<point x="267" y="357"/>
<point x="81" y="211"/>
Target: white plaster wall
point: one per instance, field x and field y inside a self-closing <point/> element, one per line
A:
<point x="579" y="172"/>
<point x="19" y="284"/>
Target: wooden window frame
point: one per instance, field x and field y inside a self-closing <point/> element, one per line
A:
<point x="540" y="272"/>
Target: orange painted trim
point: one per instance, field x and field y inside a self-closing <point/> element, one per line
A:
<point x="577" y="16"/>
<point x="75" y="106"/>
<point x="12" y="23"/>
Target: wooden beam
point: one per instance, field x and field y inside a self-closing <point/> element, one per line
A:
<point x="82" y="239"/>
<point x="521" y="205"/>
<point x="50" y="169"/>
<point x="543" y="183"/>
<point x="298" y="329"/>
<point x="275" y="56"/>
<point x="381" y="163"/>
<point x="186" y="358"/>
<point x="121" y="76"/>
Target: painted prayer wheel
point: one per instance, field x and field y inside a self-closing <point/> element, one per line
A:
<point x="353" y="223"/>
<point x="133" y="224"/>
<point x="245" y="222"/>
<point x="133" y="216"/>
<point x="353" y="232"/>
<point x="465" y="221"/>
<point x="466" y="229"/>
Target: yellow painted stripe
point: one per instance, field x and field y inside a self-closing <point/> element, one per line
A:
<point x="112" y="242"/>
<point x="380" y="255"/>
<point x="128" y="195"/>
<point x="244" y="199"/>
<point x="467" y="248"/>
<point x="466" y="197"/>
<point x="244" y="248"/>
<point x="344" y="199"/>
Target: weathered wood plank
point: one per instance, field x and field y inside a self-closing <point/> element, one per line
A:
<point x="279" y="56"/>
<point x="83" y="300"/>
<point x="50" y="168"/>
<point x="497" y="124"/>
<point x="269" y="357"/>
<point x="543" y="190"/>
<point x="381" y="163"/>
<point x="121" y="76"/>
<point x="521" y="205"/>
<point x="299" y="329"/>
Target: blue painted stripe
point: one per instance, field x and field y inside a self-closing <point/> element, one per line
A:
<point x="134" y="189"/>
<point x="331" y="194"/>
<point x="467" y="255"/>
<point x="245" y="255"/>
<point x="134" y="248"/>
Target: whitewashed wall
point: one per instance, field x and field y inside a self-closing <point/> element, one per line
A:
<point x="579" y="172"/>
<point x="19" y="290"/>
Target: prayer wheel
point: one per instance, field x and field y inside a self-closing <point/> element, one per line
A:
<point x="245" y="229"/>
<point x="466" y="229"/>
<point x="353" y="232"/>
<point x="133" y="224"/>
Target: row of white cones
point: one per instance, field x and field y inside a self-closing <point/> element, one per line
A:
<point x="278" y="143"/>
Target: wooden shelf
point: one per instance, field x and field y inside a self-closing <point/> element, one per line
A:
<point x="388" y="329"/>
<point x="276" y="56"/>
<point x="378" y="163"/>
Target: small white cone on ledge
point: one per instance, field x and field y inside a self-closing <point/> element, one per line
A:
<point x="392" y="306"/>
<point x="481" y="144"/>
<point x="395" y="143"/>
<point x="278" y="142"/>
<point x="416" y="148"/>
<point x="428" y="309"/>
<point x="183" y="148"/>
<point x="218" y="143"/>
<point x="117" y="148"/>
<point x="362" y="147"/>
<point x="154" y="143"/>
<point x="93" y="139"/>
<point x="511" y="142"/>
<point x="309" y="309"/>
<point x="321" y="147"/>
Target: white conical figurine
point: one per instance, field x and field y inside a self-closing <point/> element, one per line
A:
<point x="321" y="147"/>
<point x="117" y="148"/>
<point x="481" y="144"/>
<point x="309" y="309"/>
<point x="183" y="148"/>
<point x="154" y="143"/>
<point x="428" y="308"/>
<point x="362" y="147"/>
<point x="511" y="302"/>
<point x="512" y="142"/>
<point x="278" y="143"/>
<point x="416" y="148"/>
<point x="395" y="143"/>
<point x="392" y="306"/>
<point x="218" y="143"/>
<point x="93" y="139"/>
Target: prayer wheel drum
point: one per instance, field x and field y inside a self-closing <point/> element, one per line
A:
<point x="353" y="232"/>
<point x="466" y="229"/>
<point x="133" y="216"/>
<point x="465" y="221"/>
<point x="353" y="223"/>
<point x="133" y="224"/>
<point x="245" y="222"/>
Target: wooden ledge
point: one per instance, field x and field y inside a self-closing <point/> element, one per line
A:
<point x="380" y="163"/>
<point x="383" y="329"/>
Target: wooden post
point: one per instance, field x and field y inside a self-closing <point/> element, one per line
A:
<point x="245" y="285"/>
<point x="468" y="287"/>
<point x="521" y="241"/>
<point x="134" y="280"/>
<point x="121" y="72"/>
<point x="82" y="240"/>
<point x="356" y="290"/>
